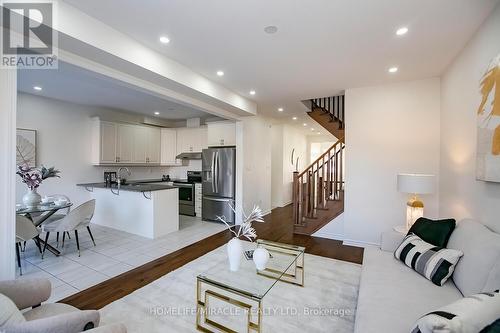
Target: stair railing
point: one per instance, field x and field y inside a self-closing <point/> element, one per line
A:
<point x="334" y="106"/>
<point x="319" y="183"/>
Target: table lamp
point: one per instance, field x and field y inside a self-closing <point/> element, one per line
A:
<point x="415" y="184"/>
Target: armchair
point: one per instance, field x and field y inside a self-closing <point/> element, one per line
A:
<point x="21" y="294"/>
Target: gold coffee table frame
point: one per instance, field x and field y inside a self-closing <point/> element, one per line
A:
<point x="207" y="288"/>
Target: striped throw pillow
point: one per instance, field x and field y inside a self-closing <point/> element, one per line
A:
<point x="434" y="263"/>
<point x="473" y="314"/>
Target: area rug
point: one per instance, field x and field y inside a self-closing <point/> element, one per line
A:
<point x="327" y="302"/>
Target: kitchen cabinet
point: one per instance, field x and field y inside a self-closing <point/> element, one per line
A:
<point x="191" y="139"/>
<point x="221" y="134"/>
<point x="125" y="143"/>
<point x="169" y="147"/>
<point x="153" y="143"/>
<point x="105" y="147"/>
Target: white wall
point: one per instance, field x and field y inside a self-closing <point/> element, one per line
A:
<point x="390" y="129"/>
<point x="284" y="138"/>
<point x="253" y="164"/>
<point x="63" y="141"/>
<point x="461" y="195"/>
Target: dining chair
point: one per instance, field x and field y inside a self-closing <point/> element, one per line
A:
<point x="25" y="231"/>
<point x="58" y="216"/>
<point x="76" y="219"/>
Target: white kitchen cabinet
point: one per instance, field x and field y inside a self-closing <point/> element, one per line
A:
<point x="169" y="147"/>
<point x="140" y="144"/>
<point x="105" y="147"/>
<point x="221" y="134"/>
<point x="153" y="144"/>
<point x="125" y="143"/>
<point x="191" y="139"/>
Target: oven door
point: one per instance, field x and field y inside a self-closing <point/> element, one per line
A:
<point x="186" y="193"/>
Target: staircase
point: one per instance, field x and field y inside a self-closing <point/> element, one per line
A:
<point x="318" y="191"/>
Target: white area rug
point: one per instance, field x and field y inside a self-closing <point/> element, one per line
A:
<point x="326" y="303"/>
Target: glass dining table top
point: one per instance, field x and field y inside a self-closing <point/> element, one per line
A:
<point x="42" y="207"/>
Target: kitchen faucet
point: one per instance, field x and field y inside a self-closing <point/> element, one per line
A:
<point x="119" y="177"/>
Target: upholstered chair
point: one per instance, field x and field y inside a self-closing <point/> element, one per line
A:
<point x="25" y="231"/>
<point x="22" y="294"/>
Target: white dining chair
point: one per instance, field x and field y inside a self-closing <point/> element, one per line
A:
<point x="25" y="231"/>
<point x="60" y="214"/>
<point x="76" y="219"/>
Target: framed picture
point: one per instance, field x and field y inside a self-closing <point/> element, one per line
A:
<point x="26" y="147"/>
<point x="488" y="125"/>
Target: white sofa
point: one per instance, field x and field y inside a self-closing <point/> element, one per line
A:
<point x="392" y="296"/>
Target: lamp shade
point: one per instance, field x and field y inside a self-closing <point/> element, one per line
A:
<point x="415" y="183"/>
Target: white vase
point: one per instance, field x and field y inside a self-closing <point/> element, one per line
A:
<point x="260" y="258"/>
<point x="32" y="198"/>
<point x="234" y="252"/>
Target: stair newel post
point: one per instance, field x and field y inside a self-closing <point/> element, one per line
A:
<point x="295" y="197"/>
<point x="300" y="211"/>
<point x="329" y="174"/>
<point x="335" y="173"/>
<point x="342" y="146"/>
<point x="323" y="172"/>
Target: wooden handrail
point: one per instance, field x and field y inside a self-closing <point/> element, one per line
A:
<point x="340" y="141"/>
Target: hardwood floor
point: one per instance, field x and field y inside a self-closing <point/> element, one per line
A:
<point x="277" y="227"/>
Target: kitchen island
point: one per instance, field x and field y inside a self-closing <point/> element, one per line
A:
<point x="146" y="209"/>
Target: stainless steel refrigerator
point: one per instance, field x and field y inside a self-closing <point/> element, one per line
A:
<point x="218" y="183"/>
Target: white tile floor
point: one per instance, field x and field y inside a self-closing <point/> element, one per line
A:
<point x="116" y="252"/>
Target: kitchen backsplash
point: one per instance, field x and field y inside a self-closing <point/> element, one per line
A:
<point x="158" y="172"/>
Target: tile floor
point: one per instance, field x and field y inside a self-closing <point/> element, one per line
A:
<point x="116" y="252"/>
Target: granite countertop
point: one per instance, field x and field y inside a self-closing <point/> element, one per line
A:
<point x="132" y="186"/>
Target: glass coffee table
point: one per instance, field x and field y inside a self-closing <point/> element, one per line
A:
<point x="242" y="292"/>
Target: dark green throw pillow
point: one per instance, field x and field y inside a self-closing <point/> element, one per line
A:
<point x="435" y="232"/>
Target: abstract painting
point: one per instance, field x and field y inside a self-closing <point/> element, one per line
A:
<point x="488" y="125"/>
<point x="26" y="147"/>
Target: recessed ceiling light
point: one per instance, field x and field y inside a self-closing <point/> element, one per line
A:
<point x="294" y="118"/>
<point x="164" y="39"/>
<point x="271" y="29"/>
<point x="252" y="92"/>
<point x="304" y="124"/>
<point x="220" y="73"/>
<point x="280" y="109"/>
<point x="393" y="70"/>
<point x="319" y="132"/>
<point x="157" y="113"/>
<point x="37" y="88"/>
<point x="401" y="31"/>
<point x="312" y="129"/>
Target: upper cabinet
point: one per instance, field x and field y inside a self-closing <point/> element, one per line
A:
<point x="128" y="144"/>
<point x="191" y="140"/>
<point x="221" y="134"/>
<point x="116" y="143"/>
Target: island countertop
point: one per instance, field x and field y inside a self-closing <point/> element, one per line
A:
<point x="131" y="186"/>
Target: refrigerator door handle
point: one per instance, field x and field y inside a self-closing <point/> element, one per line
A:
<point x="217" y="172"/>
<point x="213" y="171"/>
<point x="217" y="199"/>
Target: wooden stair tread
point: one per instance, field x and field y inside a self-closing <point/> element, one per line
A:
<point x="323" y="217"/>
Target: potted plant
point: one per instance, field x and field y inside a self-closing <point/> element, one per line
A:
<point x="33" y="178"/>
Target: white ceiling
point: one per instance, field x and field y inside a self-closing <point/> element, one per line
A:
<point x="77" y="85"/>
<point x="321" y="47"/>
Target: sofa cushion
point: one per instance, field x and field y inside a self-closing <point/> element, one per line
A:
<point x="392" y="296"/>
<point x="9" y="313"/>
<point x="48" y="310"/>
<point x="477" y="313"/>
<point x="479" y="268"/>
<point x="435" y="263"/>
<point x="436" y="232"/>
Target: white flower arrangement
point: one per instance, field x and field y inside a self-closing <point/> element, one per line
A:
<point x="246" y="230"/>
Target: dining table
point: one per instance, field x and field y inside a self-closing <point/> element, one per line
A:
<point x="40" y="213"/>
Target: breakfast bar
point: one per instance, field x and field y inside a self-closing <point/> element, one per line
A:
<point x="148" y="210"/>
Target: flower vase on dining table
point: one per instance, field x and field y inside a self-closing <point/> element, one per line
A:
<point x="32" y="198"/>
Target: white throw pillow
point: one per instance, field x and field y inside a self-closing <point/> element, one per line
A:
<point x="9" y="313"/>
<point x="473" y="314"/>
<point x="434" y="263"/>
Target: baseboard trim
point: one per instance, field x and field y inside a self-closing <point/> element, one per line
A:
<point x="328" y="235"/>
<point x="352" y="242"/>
